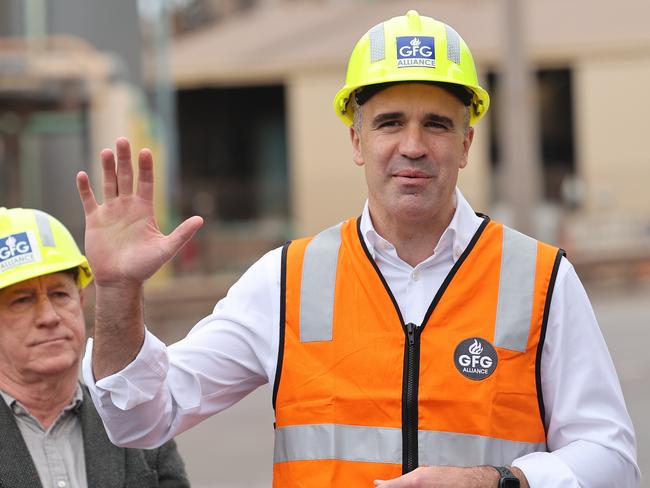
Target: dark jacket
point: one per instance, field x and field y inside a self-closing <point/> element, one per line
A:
<point x="107" y="465"/>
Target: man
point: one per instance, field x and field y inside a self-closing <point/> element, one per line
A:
<point x="51" y="435"/>
<point x="418" y="345"/>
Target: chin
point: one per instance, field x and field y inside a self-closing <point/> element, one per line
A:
<point x="57" y="366"/>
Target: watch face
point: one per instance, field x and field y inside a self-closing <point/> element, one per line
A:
<point x="509" y="483"/>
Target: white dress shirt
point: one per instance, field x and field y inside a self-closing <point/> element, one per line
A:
<point x="229" y="353"/>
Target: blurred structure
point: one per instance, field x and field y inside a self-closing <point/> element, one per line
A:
<point x="70" y="83"/>
<point x="234" y="97"/>
<point x="587" y="58"/>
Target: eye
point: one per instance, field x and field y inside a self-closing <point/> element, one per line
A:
<point x="21" y="300"/>
<point x="437" y="125"/>
<point x="59" y="295"/>
<point x="387" y="124"/>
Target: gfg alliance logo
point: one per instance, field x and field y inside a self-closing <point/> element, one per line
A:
<point x="17" y="249"/>
<point x="415" y="52"/>
<point x="475" y="358"/>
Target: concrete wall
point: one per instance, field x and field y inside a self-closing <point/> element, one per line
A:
<point x="611" y="108"/>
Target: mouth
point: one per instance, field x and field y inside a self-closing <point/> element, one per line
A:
<point x="411" y="176"/>
<point x="53" y="340"/>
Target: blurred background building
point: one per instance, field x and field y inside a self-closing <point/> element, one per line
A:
<point x="235" y="99"/>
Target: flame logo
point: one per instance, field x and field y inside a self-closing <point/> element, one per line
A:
<point x="476" y="348"/>
<point x="415" y="42"/>
<point x="11" y="242"/>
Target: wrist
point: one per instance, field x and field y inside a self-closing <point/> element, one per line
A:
<point x="509" y="477"/>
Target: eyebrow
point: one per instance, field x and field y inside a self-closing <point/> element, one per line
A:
<point x="381" y="118"/>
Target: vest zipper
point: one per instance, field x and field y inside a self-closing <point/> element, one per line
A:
<point x="410" y="398"/>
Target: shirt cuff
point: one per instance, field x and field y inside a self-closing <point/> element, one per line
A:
<point x="543" y="469"/>
<point x="137" y="383"/>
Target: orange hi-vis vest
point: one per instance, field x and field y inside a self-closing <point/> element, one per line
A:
<point x="359" y="395"/>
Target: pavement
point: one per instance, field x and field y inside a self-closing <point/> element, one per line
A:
<point x="235" y="448"/>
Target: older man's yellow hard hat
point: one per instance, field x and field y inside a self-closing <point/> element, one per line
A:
<point x="33" y="243"/>
<point x="411" y="48"/>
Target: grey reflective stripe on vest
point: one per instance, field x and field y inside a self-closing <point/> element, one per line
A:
<point x="343" y="442"/>
<point x="317" y="287"/>
<point x="516" y="288"/>
<point x="44" y="228"/>
<point x="448" y="448"/>
<point x="384" y="445"/>
<point x="377" y="43"/>
<point x="453" y="45"/>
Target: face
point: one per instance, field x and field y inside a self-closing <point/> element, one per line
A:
<point x="41" y="328"/>
<point x="412" y="142"/>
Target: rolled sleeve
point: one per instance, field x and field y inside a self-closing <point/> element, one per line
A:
<point x="138" y="383"/>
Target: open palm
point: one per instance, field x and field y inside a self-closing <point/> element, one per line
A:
<point x="123" y="242"/>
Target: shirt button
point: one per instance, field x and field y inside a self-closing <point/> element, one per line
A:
<point x="415" y="275"/>
<point x="61" y="484"/>
<point x="457" y="252"/>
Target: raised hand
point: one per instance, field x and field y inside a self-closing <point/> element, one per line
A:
<point x="123" y="242"/>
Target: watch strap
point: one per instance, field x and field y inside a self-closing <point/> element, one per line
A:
<point x="506" y="475"/>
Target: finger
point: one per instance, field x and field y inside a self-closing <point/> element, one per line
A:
<point x="145" y="175"/>
<point x="86" y="194"/>
<point x="181" y="235"/>
<point x="109" y="178"/>
<point x="124" y="167"/>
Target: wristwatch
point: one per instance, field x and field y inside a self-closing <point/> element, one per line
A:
<point x="507" y="479"/>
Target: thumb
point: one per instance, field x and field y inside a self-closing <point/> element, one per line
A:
<point x="181" y="235"/>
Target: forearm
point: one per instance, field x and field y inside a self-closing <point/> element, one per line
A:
<point x="119" y="328"/>
<point x="450" y="477"/>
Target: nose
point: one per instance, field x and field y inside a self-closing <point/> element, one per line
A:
<point x="46" y="314"/>
<point x="412" y="144"/>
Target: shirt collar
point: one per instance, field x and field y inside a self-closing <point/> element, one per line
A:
<point x="74" y="404"/>
<point x="457" y="235"/>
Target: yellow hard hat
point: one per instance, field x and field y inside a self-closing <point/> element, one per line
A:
<point x="411" y="48"/>
<point x="33" y="243"/>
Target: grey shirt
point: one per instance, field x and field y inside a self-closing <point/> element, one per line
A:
<point x="57" y="452"/>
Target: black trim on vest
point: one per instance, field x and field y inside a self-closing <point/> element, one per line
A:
<point x="381" y="277"/>
<point x="542" y="336"/>
<point x="283" y="307"/>
<point x="455" y="268"/>
<point x="411" y="371"/>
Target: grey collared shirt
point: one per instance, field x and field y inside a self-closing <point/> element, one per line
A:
<point x="57" y="452"/>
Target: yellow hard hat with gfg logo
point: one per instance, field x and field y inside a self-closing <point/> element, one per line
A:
<point x="411" y="48"/>
<point x="33" y="243"/>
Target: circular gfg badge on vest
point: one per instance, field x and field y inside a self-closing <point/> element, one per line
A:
<point x="475" y="358"/>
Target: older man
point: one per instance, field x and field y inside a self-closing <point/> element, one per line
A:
<point x="50" y="433"/>
<point x="420" y="344"/>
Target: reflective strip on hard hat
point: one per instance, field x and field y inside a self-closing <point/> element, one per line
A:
<point x="453" y="45"/>
<point x="384" y="445"/>
<point x="377" y="42"/>
<point x="44" y="228"/>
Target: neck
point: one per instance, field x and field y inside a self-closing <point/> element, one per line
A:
<point x="414" y="240"/>
<point x="44" y="398"/>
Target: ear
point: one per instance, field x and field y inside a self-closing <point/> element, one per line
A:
<point x="467" y="142"/>
<point x="355" y="138"/>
